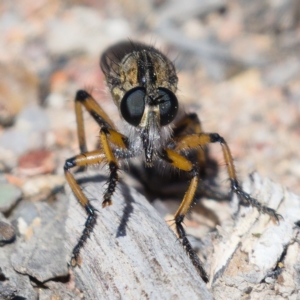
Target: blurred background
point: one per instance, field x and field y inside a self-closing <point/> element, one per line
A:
<point x="238" y="65"/>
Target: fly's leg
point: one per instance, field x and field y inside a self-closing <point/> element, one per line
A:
<point x="201" y="139"/>
<point x="108" y="135"/>
<point x="182" y="163"/>
<point x="81" y="160"/>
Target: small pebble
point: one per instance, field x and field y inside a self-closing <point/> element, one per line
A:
<point x="7" y="232"/>
<point x="36" y="162"/>
<point x="42" y="184"/>
<point x="18" y="88"/>
<point x="29" y="133"/>
<point x="24" y="215"/>
<point x="9" y="195"/>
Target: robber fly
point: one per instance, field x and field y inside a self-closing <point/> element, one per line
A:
<point x="143" y="85"/>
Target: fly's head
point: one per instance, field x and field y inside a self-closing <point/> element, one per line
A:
<point x="143" y="83"/>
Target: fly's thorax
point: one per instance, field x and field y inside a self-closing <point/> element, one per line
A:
<point x="147" y="68"/>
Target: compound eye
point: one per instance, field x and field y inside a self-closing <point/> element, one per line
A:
<point x="133" y="106"/>
<point x="168" y="106"/>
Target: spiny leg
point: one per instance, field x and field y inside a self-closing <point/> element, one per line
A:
<point x="105" y="134"/>
<point x="82" y="98"/>
<point x="191" y="124"/>
<point x="184" y="164"/>
<point x="81" y="160"/>
<point x="89" y="158"/>
<point x="198" y="140"/>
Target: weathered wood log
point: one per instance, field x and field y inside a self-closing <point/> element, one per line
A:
<point x="132" y="253"/>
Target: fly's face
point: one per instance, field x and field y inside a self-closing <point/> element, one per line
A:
<point x="143" y="83"/>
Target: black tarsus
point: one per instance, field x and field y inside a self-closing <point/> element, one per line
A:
<point x="243" y="196"/>
<point x="88" y="228"/>
<point x="253" y="202"/>
<point x="189" y="250"/>
<point x="112" y="183"/>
